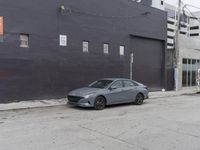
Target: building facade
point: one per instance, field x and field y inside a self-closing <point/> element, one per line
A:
<point x="50" y="47"/>
<point x="189" y="39"/>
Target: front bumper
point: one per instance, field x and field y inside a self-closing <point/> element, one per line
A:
<point x="80" y="104"/>
<point x="80" y="101"/>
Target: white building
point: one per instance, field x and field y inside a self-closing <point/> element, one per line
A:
<point x="189" y="41"/>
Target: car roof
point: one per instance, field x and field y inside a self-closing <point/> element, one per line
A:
<point x="114" y="79"/>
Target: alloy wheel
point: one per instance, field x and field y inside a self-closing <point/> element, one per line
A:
<point x="99" y="103"/>
<point x="139" y="99"/>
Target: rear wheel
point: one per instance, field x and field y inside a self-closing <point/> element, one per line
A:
<point x="99" y="103"/>
<point x="139" y="99"/>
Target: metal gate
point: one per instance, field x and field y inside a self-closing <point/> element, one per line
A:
<point x="148" y="65"/>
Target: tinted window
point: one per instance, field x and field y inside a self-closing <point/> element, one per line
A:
<point x="117" y="84"/>
<point x="136" y="84"/>
<point x="128" y="84"/>
<point x="100" y="84"/>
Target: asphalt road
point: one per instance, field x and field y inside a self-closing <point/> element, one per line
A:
<point x="159" y="124"/>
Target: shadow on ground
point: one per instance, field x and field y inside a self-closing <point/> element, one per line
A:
<point x="107" y="107"/>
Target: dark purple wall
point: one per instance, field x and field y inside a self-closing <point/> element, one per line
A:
<point x="46" y="70"/>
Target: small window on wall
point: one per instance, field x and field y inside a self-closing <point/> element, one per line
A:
<point x="105" y="48"/>
<point x="85" y="46"/>
<point x="184" y="61"/>
<point x="121" y="50"/>
<point x="162" y="2"/>
<point x="24" y="40"/>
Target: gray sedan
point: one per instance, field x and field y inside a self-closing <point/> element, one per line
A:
<point x="108" y="92"/>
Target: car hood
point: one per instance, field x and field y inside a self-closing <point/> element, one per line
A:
<point x="84" y="91"/>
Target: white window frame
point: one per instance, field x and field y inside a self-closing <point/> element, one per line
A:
<point x="63" y="40"/>
<point x="121" y="50"/>
<point x="24" y="40"/>
<point x="85" y="46"/>
<point x="106" y="48"/>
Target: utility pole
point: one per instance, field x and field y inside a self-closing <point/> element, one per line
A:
<point x="177" y="63"/>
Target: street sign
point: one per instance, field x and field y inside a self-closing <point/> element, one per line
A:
<point x="131" y="65"/>
<point x="132" y="57"/>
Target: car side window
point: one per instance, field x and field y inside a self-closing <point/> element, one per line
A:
<point x="117" y="84"/>
<point x="135" y="83"/>
<point x="128" y="84"/>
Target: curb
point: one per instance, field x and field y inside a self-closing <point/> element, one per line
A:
<point x="175" y="95"/>
<point x="165" y="94"/>
<point x="62" y="102"/>
<point x="27" y="108"/>
<point x="32" y="104"/>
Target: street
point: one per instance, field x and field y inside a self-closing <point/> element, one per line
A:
<point x="159" y="124"/>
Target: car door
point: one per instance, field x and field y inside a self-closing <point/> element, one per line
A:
<point x="130" y="90"/>
<point x="115" y="94"/>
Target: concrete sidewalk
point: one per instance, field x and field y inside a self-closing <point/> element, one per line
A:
<point x="184" y="91"/>
<point x="32" y="104"/>
<point x="58" y="102"/>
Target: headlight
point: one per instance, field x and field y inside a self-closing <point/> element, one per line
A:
<point x="87" y="96"/>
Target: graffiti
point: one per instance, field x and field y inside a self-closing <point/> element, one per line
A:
<point x="1" y="29"/>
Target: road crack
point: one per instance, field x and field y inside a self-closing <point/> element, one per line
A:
<point x="112" y="137"/>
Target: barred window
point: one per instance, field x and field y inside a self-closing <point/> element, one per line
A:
<point x="105" y="48"/>
<point x="85" y="46"/>
<point x="24" y="40"/>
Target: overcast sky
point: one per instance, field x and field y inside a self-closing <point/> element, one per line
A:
<point x="192" y="2"/>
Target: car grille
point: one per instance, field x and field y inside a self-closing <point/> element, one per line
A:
<point x="74" y="98"/>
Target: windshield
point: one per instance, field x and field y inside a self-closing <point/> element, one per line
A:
<point x="100" y="84"/>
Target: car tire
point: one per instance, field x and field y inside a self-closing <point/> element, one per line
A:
<point x="100" y="103"/>
<point x="139" y="99"/>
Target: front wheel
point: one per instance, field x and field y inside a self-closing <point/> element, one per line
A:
<point x="99" y="103"/>
<point x="139" y="99"/>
